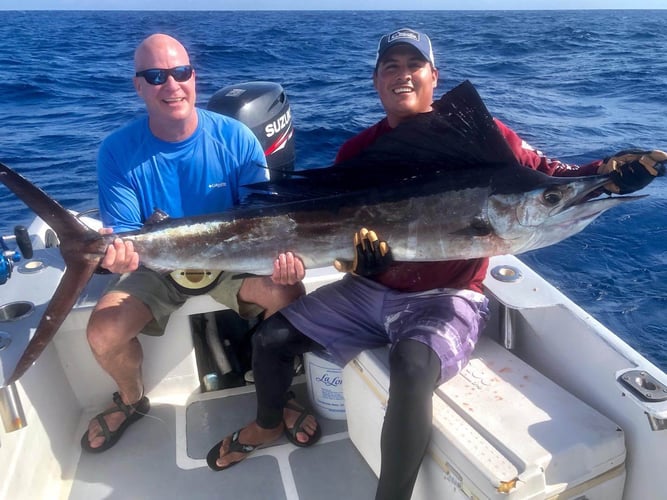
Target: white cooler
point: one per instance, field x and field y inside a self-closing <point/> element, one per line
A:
<point x="500" y="430"/>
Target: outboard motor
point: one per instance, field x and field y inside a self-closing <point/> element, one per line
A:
<point x="264" y="108"/>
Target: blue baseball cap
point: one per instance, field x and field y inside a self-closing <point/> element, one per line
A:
<point x="406" y="36"/>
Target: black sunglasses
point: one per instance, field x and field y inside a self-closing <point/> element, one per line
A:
<point x="157" y="76"/>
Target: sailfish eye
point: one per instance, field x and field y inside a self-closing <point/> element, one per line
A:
<point x="552" y="196"/>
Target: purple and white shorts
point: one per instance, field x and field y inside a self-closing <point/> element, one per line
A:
<point x="355" y="313"/>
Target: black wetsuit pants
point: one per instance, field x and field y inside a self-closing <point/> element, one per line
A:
<point x="414" y="372"/>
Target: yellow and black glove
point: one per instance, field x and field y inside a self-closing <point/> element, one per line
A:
<point x="632" y="169"/>
<point x="372" y="256"/>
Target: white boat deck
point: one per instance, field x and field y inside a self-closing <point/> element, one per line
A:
<point x="163" y="456"/>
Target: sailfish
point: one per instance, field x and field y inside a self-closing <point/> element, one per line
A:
<point x="442" y="185"/>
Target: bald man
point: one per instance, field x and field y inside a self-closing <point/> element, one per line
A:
<point x="185" y="161"/>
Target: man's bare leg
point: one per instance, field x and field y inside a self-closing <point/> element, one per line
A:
<point x="112" y="334"/>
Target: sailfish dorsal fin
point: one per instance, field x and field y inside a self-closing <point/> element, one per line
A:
<point x="459" y="132"/>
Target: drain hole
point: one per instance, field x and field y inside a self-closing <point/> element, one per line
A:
<point x="15" y="310"/>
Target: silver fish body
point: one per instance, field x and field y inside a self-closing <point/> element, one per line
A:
<point x="439" y="220"/>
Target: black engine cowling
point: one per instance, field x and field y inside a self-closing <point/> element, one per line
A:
<point x="264" y="108"/>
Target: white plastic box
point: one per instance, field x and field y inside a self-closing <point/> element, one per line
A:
<point x="500" y="430"/>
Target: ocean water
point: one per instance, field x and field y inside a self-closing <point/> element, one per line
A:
<point x="578" y="85"/>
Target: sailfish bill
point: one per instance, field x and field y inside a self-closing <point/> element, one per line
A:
<point x="443" y="185"/>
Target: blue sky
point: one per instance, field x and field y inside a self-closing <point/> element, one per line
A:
<point x="329" y="4"/>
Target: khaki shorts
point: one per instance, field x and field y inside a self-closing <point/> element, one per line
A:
<point x="163" y="298"/>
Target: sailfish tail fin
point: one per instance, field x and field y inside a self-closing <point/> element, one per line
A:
<point x="81" y="248"/>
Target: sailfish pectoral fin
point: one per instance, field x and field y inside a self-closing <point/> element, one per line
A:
<point x="71" y="285"/>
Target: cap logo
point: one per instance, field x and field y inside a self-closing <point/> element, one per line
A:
<point x="397" y="35"/>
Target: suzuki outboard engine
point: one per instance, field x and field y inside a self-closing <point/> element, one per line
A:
<point x="264" y="108"/>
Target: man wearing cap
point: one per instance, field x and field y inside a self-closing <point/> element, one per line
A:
<point x="431" y="313"/>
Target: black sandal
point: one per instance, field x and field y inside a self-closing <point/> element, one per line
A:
<point x="290" y="434"/>
<point x="235" y="446"/>
<point x="132" y="413"/>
